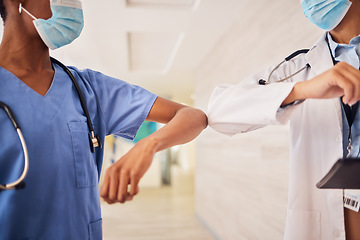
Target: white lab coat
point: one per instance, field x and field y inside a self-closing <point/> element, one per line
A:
<point x="315" y="135"/>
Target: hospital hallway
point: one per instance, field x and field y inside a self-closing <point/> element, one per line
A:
<point x="232" y="181"/>
<point x="157" y="213"/>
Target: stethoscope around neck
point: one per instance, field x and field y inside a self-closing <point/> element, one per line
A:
<point x="94" y="139"/>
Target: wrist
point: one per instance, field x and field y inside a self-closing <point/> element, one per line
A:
<point x="296" y="94"/>
<point x="150" y="144"/>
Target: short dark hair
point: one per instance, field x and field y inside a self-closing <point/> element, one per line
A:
<point x="2" y="10"/>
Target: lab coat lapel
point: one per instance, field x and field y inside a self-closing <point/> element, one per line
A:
<point x="320" y="60"/>
<point x="319" y="56"/>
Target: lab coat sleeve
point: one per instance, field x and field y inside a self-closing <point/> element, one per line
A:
<point x="248" y="106"/>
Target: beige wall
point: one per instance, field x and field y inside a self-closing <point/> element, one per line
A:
<point x="241" y="181"/>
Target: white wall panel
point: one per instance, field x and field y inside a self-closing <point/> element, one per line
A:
<point x="241" y="181"/>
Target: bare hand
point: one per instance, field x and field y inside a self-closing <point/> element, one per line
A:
<point x="127" y="171"/>
<point x="341" y="80"/>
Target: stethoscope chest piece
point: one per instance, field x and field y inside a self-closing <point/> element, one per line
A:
<point x="94" y="141"/>
<point x="262" y="82"/>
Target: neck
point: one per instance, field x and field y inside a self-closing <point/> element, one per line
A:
<point x="19" y="49"/>
<point x="349" y="26"/>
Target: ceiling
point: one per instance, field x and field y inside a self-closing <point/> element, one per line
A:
<point x="156" y="44"/>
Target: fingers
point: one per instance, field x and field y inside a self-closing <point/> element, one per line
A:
<point x="343" y="80"/>
<point x="105" y="187"/>
<point x="104" y="192"/>
<point x="134" y="185"/>
<point x="347" y="87"/>
<point x="115" y="186"/>
<point x="127" y="171"/>
<point x="123" y="193"/>
<point x="350" y="79"/>
<point x="123" y="187"/>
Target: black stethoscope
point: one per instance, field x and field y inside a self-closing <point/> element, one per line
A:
<point x="291" y="56"/>
<point x="94" y="139"/>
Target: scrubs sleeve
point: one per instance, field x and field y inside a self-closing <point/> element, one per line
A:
<point x="124" y="106"/>
<point x="248" y="106"/>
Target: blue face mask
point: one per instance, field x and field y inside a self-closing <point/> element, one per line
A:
<point x="64" y="26"/>
<point x="326" y="14"/>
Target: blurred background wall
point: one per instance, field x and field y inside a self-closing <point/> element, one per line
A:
<point x="241" y="181"/>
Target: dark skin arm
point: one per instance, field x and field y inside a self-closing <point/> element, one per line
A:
<point x="24" y="54"/>
<point x="183" y="124"/>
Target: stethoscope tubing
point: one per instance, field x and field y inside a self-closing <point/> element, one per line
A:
<point x="81" y="97"/>
<point x="93" y="139"/>
<point x="16" y="183"/>
<point x="291" y="56"/>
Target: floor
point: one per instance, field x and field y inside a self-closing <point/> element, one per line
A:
<point x="166" y="213"/>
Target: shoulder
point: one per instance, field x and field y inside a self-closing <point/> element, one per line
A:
<point x="106" y="85"/>
<point x="86" y="74"/>
<point x="96" y="78"/>
<point x="296" y="59"/>
<point x="302" y="58"/>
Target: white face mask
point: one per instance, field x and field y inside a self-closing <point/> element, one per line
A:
<point x="64" y="26"/>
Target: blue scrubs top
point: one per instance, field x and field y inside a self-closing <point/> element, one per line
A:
<point x="61" y="197"/>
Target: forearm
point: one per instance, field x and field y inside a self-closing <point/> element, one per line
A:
<point x="186" y="125"/>
<point x="296" y="94"/>
<point x="183" y="125"/>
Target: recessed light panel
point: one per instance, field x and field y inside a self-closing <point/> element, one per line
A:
<point x="181" y="4"/>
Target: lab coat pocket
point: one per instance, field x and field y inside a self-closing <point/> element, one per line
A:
<point x="302" y="225"/>
<point x="85" y="165"/>
<point x="95" y="230"/>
